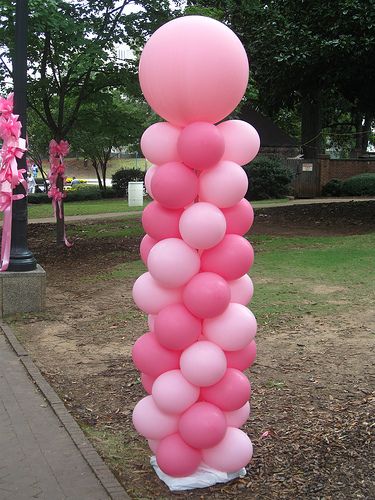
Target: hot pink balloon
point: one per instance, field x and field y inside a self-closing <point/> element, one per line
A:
<point x="176" y="458"/>
<point x="148" y="177"/>
<point x="203" y="425"/>
<point x="160" y="222"/>
<point x="176" y="328"/>
<point x="231" y="258"/>
<point x="243" y="358"/>
<point x="230" y="392"/>
<point x="232" y="453"/>
<point x="223" y="185"/>
<point x="202" y="225"/>
<point x="239" y="218"/>
<point x="146" y="244"/>
<point x="147" y="382"/>
<point x="152" y="423"/>
<point x="232" y="330"/>
<point x="237" y="418"/>
<point x="174" y="185"/>
<point x="153" y="359"/>
<point x="173" y="393"/>
<point x="159" y="143"/>
<point x="242" y="141"/>
<point x="151" y="297"/>
<point x="193" y="69"/>
<point x="241" y="290"/>
<point x="172" y="262"/>
<point x="206" y="295"/>
<point x="200" y="145"/>
<point x="203" y="363"/>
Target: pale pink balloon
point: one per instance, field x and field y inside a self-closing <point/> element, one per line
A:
<point x="232" y="330"/>
<point x="239" y="218"/>
<point x="172" y="262"/>
<point x="232" y="453"/>
<point x="230" y="393"/>
<point x="173" y="393"/>
<point x="146" y="244"/>
<point x="193" y="69"/>
<point x="200" y="145"/>
<point x="242" y="141"/>
<point x="203" y="425"/>
<point x="151" y="297"/>
<point x="237" y="418"/>
<point x="223" y="185"/>
<point x="176" y="328"/>
<point x="148" y="177"/>
<point x="176" y="458"/>
<point x="147" y="382"/>
<point x="243" y="358"/>
<point x="202" y="225"/>
<point x="151" y="322"/>
<point x="174" y="185"/>
<point x="153" y="444"/>
<point x="231" y="258"/>
<point x="203" y="363"/>
<point x="159" y="143"/>
<point x="160" y="222"/>
<point x="241" y="290"/>
<point x="153" y="359"/>
<point x="151" y="422"/>
<point x="206" y="295"/>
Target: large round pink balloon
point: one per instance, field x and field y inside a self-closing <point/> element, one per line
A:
<point x="148" y="177"/>
<point x="172" y="262"/>
<point x="232" y="453"/>
<point x="203" y="363"/>
<point x="152" y="297"/>
<point x="146" y="244"/>
<point x="193" y="69"/>
<point x="202" y="225"/>
<point x="239" y="218"/>
<point x="203" y="425"/>
<point x="223" y="185"/>
<point x="151" y="422"/>
<point x="176" y="458"/>
<point x="200" y="145"/>
<point x="242" y="141"/>
<point x="152" y="358"/>
<point x="174" y="185"/>
<point x="206" y="295"/>
<point x="232" y="330"/>
<point x="241" y="290"/>
<point x="176" y="328"/>
<point x="147" y="382"/>
<point x="237" y="418"/>
<point x="243" y="358"/>
<point x="160" y="222"/>
<point x="153" y="444"/>
<point x="231" y="258"/>
<point x="159" y="143"/>
<point x="230" y="392"/>
<point x="173" y="393"/>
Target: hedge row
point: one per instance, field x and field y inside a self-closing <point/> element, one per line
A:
<point x="359" y="185"/>
<point x="81" y="193"/>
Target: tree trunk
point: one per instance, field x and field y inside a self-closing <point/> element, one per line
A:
<point x="60" y="221"/>
<point x="95" y="165"/>
<point x="311" y="116"/>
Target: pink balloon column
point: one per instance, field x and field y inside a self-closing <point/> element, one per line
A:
<point x="193" y="72"/>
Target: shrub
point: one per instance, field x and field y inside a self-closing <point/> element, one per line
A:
<point x="268" y="178"/>
<point x="37" y="198"/>
<point x="359" y="185"/>
<point x="332" y="188"/>
<point x="121" y="178"/>
<point x="83" y="192"/>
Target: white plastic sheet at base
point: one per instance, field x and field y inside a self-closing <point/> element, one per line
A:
<point x="203" y="477"/>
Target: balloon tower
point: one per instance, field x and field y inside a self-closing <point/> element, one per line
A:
<point x="193" y="72"/>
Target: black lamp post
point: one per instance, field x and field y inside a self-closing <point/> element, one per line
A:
<point x="21" y="259"/>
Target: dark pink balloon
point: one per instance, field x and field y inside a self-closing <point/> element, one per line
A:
<point x="146" y="244"/>
<point x="147" y="382"/>
<point x="243" y="358"/>
<point x="203" y="425"/>
<point x="230" y="393"/>
<point x="160" y="222"/>
<point x="153" y="359"/>
<point x="239" y="218"/>
<point x="206" y="295"/>
<point x="176" y="458"/>
<point x="176" y="328"/>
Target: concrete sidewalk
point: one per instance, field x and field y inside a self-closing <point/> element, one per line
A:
<point x="43" y="452"/>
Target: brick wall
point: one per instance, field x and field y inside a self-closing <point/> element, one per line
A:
<point x="343" y="169"/>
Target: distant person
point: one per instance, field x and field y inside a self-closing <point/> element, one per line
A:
<point x="34" y="169"/>
<point x="30" y="183"/>
<point x="74" y="182"/>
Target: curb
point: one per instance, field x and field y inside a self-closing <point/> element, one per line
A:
<point x="100" y="469"/>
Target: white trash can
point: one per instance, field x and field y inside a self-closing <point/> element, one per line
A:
<point x="135" y="194"/>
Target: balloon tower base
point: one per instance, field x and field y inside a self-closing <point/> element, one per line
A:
<point x="204" y="477"/>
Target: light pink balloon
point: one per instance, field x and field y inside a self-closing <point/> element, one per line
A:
<point x="174" y="185"/>
<point x="147" y="382"/>
<point x="176" y="328"/>
<point x="151" y="297"/>
<point x="239" y="218"/>
<point x="152" y="423"/>
<point x="241" y="290"/>
<point x="176" y="458"/>
<point x="232" y="330"/>
<point x="172" y="262"/>
<point x="242" y="141"/>
<point x="146" y="244"/>
<point x="160" y="222"/>
<point x="153" y="444"/>
<point x="151" y="322"/>
<point x="206" y="295"/>
<point x="148" y="177"/>
<point x="159" y="143"/>
<point x="200" y="145"/>
<point x="203" y="363"/>
<point x="193" y="69"/>
<point x="237" y="418"/>
<point x="232" y="453"/>
<point x="153" y="359"/>
<point x="243" y="358"/>
<point x="223" y="185"/>
<point x="203" y="425"/>
<point x="231" y="258"/>
<point x="230" y="392"/>
<point x="202" y="225"/>
<point x="173" y="393"/>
